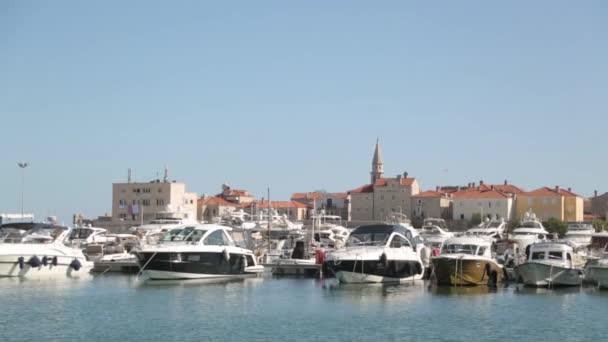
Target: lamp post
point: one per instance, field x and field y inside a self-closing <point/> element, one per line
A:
<point x="22" y="166"/>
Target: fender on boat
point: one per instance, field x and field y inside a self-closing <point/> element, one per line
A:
<point x="75" y="264"/>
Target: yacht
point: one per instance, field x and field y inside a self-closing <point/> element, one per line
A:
<point x="330" y="231"/>
<point x="467" y="260"/>
<point x="115" y="254"/>
<point x="164" y="221"/>
<point x="82" y="236"/>
<point x="435" y="232"/>
<point x="529" y="231"/>
<point x="38" y="250"/>
<point x="580" y="233"/>
<point x="379" y="253"/>
<point x="199" y="251"/>
<point x="552" y="263"/>
<point x="596" y="271"/>
<point x="490" y="229"/>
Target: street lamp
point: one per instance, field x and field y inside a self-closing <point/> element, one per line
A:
<point x="22" y="165"/>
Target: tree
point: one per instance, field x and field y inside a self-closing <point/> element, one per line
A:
<point x="600" y="225"/>
<point x="475" y="219"/>
<point x="554" y="225"/>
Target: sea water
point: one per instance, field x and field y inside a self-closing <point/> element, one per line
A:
<point x="125" y="308"/>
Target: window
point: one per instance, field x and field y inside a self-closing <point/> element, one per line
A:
<point x="160" y="202"/>
<point x="382" y="197"/>
<point x="545" y="201"/>
<point x="555" y="255"/>
<point x="481" y="250"/>
<point x="217" y="238"/>
<point x="160" y="190"/>
<point x="489" y="204"/>
<point x="554" y="201"/>
<point x="399" y="241"/>
<point x="530" y="201"/>
<point x="538" y="256"/>
<point x="145" y="202"/>
<point x="393" y="197"/>
<point x="330" y="203"/>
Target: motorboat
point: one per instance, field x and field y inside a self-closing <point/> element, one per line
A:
<point x="380" y="253"/>
<point x="39" y="250"/>
<point x="530" y="231"/>
<point x="198" y="251"/>
<point x="466" y="260"/>
<point x="596" y="270"/>
<point x="151" y="232"/>
<point x="579" y="233"/>
<point x="435" y="232"/>
<point x="490" y="229"/>
<point x="552" y="263"/>
<point x="115" y="254"/>
<point x="82" y="236"/>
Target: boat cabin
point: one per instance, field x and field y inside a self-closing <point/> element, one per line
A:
<point x="553" y="252"/>
<point x="202" y="234"/>
<point x="394" y="236"/>
<point x="467" y="245"/>
<point x="29" y="232"/>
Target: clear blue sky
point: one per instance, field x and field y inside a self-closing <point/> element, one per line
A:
<point x="293" y="95"/>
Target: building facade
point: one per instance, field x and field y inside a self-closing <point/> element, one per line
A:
<point x="212" y="209"/>
<point x="599" y="205"/>
<point x="432" y="204"/>
<point x="334" y="203"/>
<point x="141" y="202"/>
<point x="549" y="203"/>
<point x="486" y="203"/>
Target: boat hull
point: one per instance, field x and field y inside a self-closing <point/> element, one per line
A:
<point x="10" y="267"/>
<point x="373" y="271"/>
<point x="597" y="275"/>
<point x="197" y="265"/>
<point x="466" y="272"/>
<point x="544" y="275"/>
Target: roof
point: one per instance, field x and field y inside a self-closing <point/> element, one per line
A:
<point x="430" y="194"/>
<point x="508" y="188"/>
<point x="215" y="201"/>
<point x="472" y="194"/>
<point x="547" y="192"/>
<point x="276" y="204"/>
<point x="306" y="195"/>
<point x="383" y="182"/>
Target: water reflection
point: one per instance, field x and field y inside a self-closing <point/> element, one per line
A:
<point x="463" y="290"/>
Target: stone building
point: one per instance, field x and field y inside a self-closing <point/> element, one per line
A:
<point x="334" y="203"/>
<point x="432" y="204"/>
<point x="383" y="196"/>
<point x="212" y="209"/>
<point x="599" y="205"/>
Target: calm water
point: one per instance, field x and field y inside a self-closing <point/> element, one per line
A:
<point x="113" y="308"/>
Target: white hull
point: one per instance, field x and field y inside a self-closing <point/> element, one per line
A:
<point x="543" y="275"/>
<point x="597" y="275"/>
<point x="361" y="278"/>
<point x="9" y="267"/>
<point x="167" y="275"/>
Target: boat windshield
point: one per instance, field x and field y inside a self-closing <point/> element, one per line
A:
<point x="369" y="239"/>
<point x="460" y="249"/>
<point x="430" y="231"/>
<point x="531" y="224"/>
<point x="494" y="224"/>
<point x="46" y="234"/>
<point x="80" y="233"/>
<point x="11" y="235"/>
<point x="187" y="234"/>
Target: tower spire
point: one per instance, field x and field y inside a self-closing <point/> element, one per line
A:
<point x="377" y="163"/>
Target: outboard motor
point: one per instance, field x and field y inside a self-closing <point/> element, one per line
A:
<point x="298" y="251"/>
<point x="75" y="264"/>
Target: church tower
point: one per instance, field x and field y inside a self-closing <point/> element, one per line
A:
<point x="377" y="163"/>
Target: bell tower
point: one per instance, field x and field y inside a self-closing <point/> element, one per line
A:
<point x="377" y="163"/>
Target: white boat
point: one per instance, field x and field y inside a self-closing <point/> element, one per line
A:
<point x="490" y="229"/>
<point x="114" y="255"/>
<point x="467" y="260"/>
<point x="198" y="251"/>
<point x="382" y="253"/>
<point x="164" y="221"/>
<point x="580" y="233"/>
<point x="329" y="230"/>
<point x="435" y="232"/>
<point x="37" y="250"/>
<point x="529" y="231"/>
<point x="549" y="264"/>
<point x="596" y="270"/>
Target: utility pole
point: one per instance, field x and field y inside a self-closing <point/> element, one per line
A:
<point x="22" y="165"/>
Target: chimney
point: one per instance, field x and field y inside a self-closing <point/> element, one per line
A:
<point x="595" y="193"/>
<point x="480" y="182"/>
<point x="129" y="176"/>
<point x="569" y="189"/>
<point x="437" y="189"/>
<point x="473" y="184"/>
<point x="492" y="187"/>
<point x="506" y="182"/>
<point x="557" y="188"/>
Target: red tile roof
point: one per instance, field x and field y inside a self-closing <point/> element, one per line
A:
<point x="547" y="192"/>
<point x="508" y="188"/>
<point x="430" y="194"/>
<point x="306" y="195"/>
<point x="215" y="201"/>
<point x="382" y="182"/>
<point x="472" y="194"/>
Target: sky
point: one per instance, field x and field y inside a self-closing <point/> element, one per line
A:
<point x="292" y="95"/>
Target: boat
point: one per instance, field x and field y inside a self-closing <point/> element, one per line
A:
<point x="466" y="260"/>
<point x="198" y="251"/>
<point x="596" y="270"/>
<point x="490" y="229"/>
<point x="330" y="233"/>
<point x="115" y="254"/>
<point x="38" y="250"/>
<point x="580" y="233"/>
<point x="164" y="221"/>
<point x="552" y="263"/>
<point x="530" y="231"/>
<point x="380" y="253"/>
<point x="435" y="232"/>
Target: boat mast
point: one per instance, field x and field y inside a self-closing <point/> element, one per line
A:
<point x="268" y="218"/>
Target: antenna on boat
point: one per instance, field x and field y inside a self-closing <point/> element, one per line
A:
<point x="269" y="222"/>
